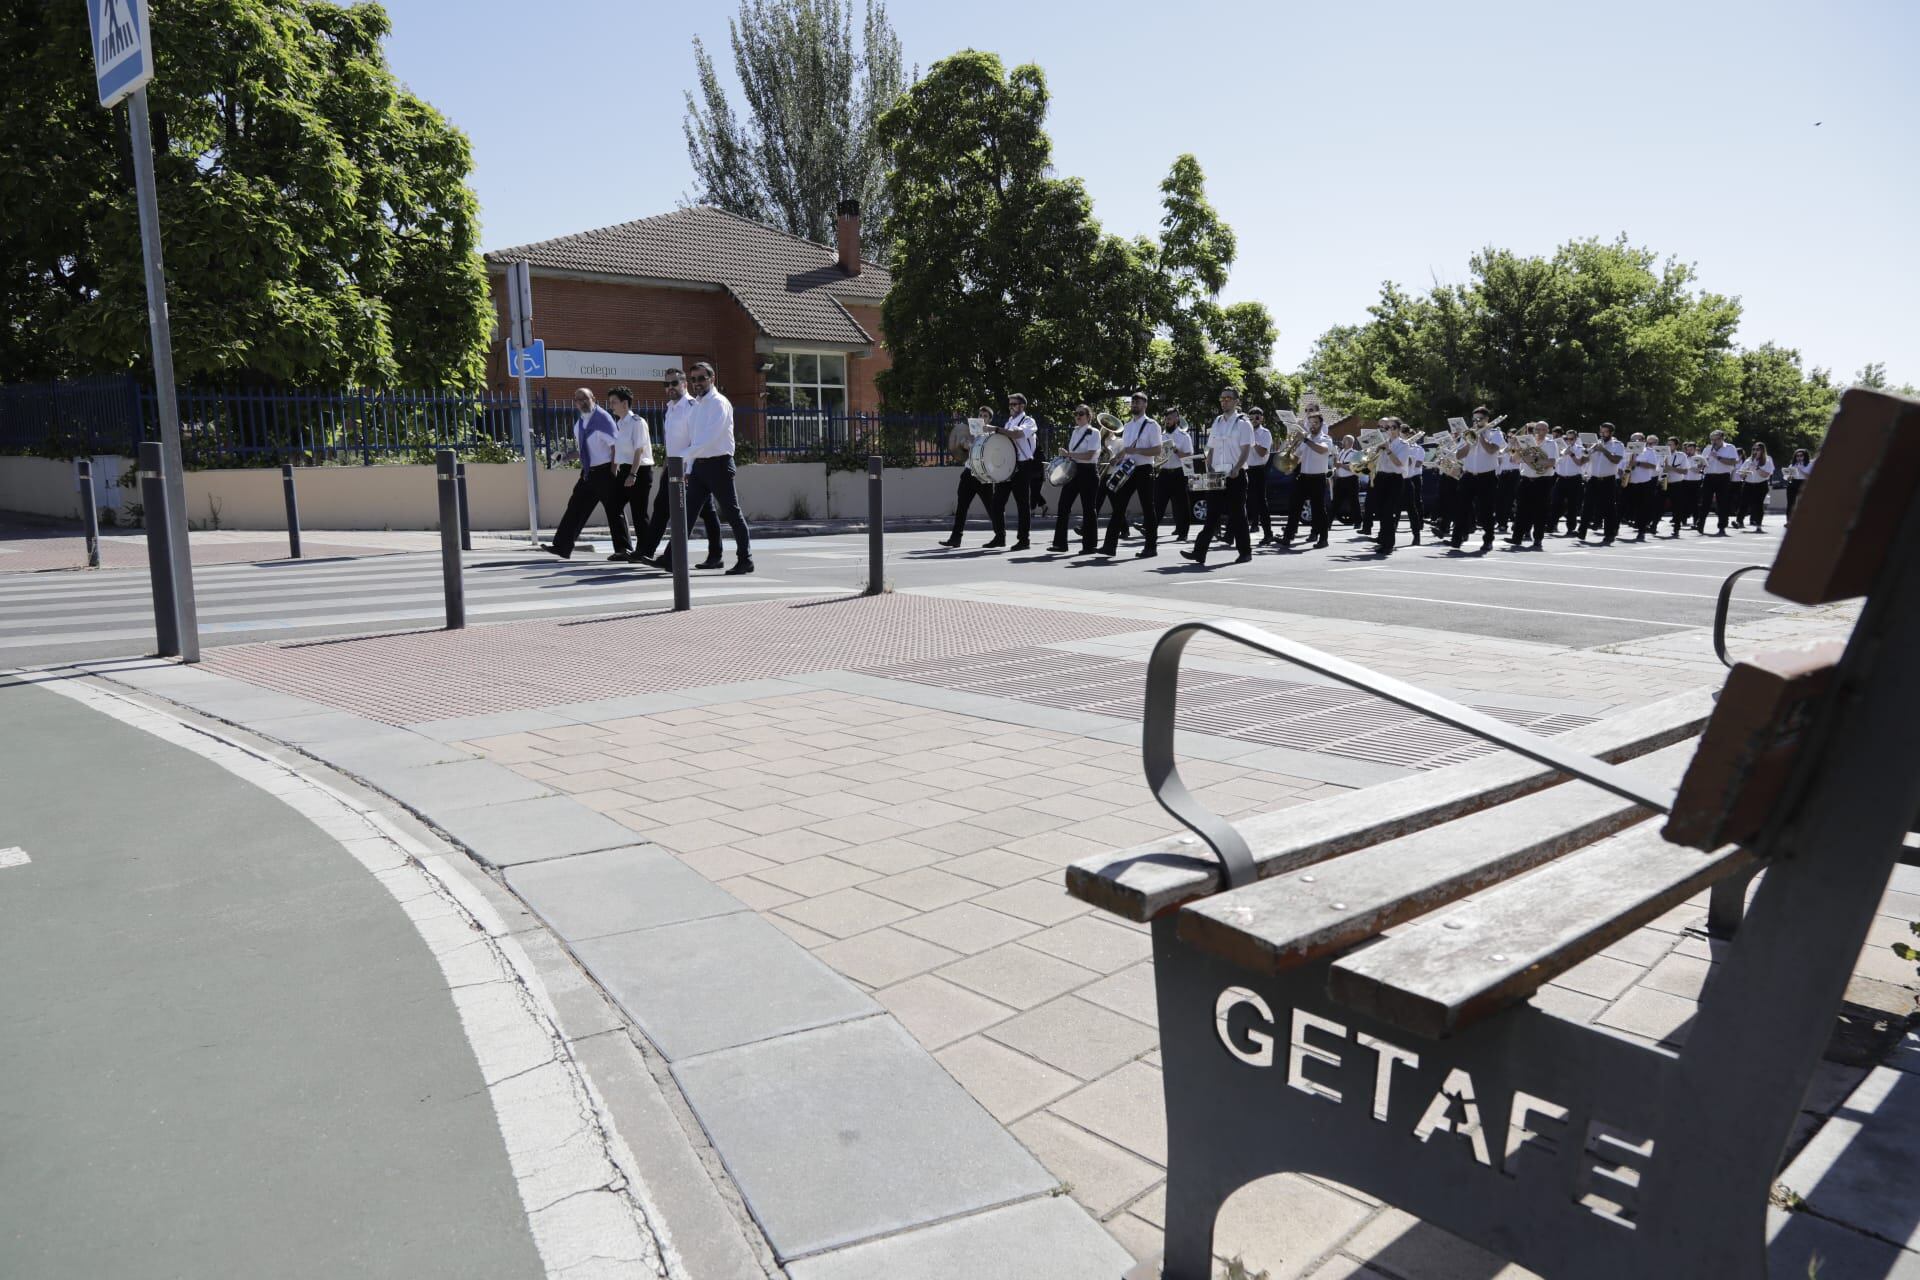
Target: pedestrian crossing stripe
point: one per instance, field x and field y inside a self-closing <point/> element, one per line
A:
<point x="14" y="857"/>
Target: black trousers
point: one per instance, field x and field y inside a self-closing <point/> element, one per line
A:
<point x="971" y="488"/>
<point x="657" y="535"/>
<point x="1756" y="502"/>
<point x="1686" y="497"/>
<point x="1307" y="490"/>
<point x="1473" y="506"/>
<point x="1716" y="496"/>
<point x="1643" y="505"/>
<point x="596" y="487"/>
<point x="1226" y="509"/>
<point x="1531" y="505"/>
<point x="1445" y="500"/>
<point x="1020" y="487"/>
<point x="1506" y="498"/>
<point x="633" y="500"/>
<point x="1083" y="489"/>
<point x="1568" y="502"/>
<point x="1793" y="494"/>
<point x="1413" y="500"/>
<point x="1259" y="505"/>
<point x="712" y="480"/>
<point x="1139" y="481"/>
<point x="1170" y="491"/>
<point x="1602" y="509"/>
<point x="1346" y="499"/>
<point x="1384" y="498"/>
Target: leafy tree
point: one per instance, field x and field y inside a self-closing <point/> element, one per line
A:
<point x="1204" y="345"/>
<point x="315" y="217"/>
<point x="812" y="104"/>
<point x="1002" y="279"/>
<point x="1778" y="403"/>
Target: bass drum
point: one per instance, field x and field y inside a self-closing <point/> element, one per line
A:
<point x="992" y="459"/>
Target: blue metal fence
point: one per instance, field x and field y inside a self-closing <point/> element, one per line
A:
<point x="263" y="427"/>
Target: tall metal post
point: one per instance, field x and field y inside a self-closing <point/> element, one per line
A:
<point x="466" y="519"/>
<point x="443" y="465"/>
<point x="533" y="472"/>
<point x="293" y="511"/>
<point x="876" y="526"/>
<point x="153" y="493"/>
<point x="677" y="523"/>
<point x="179" y="588"/>
<point x="89" y="510"/>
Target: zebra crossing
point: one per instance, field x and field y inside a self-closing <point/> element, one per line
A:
<point x="109" y="613"/>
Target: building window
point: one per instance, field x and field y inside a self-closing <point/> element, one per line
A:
<point x="808" y="380"/>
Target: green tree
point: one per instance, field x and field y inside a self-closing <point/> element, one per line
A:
<point x="315" y="216"/>
<point x="1002" y="279"/>
<point x="812" y="103"/>
<point x="1778" y="403"/>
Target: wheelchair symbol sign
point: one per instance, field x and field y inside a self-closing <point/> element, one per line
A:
<point x="527" y="362"/>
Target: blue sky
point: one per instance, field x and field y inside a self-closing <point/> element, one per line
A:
<point x="1345" y="143"/>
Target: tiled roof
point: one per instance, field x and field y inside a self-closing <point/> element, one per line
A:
<point x="791" y="287"/>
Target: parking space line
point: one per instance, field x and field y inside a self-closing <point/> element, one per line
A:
<point x="1464" y="604"/>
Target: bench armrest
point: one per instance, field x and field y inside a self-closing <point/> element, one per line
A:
<point x="1236" y="859"/>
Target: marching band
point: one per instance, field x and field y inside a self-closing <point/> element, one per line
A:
<point x="1527" y="485"/>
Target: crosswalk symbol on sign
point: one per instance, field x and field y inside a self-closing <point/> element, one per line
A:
<point x="122" y="52"/>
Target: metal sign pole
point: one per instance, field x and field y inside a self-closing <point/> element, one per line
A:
<point x="450" y="566"/>
<point x="519" y="343"/>
<point x="179" y="588"/>
<point x="293" y="511"/>
<point x="533" y="474"/>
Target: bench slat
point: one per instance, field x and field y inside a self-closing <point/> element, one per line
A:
<point x="1148" y="880"/>
<point x="1458" y="966"/>
<point x="1282" y="922"/>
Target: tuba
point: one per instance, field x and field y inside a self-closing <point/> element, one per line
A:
<point x="1286" y="455"/>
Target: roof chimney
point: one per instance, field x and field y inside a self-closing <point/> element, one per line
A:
<point x="846" y="234"/>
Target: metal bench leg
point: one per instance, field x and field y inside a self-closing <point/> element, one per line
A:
<point x="1728" y="904"/>
<point x="1193" y="1206"/>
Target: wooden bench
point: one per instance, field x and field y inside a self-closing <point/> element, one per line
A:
<point x="1344" y="988"/>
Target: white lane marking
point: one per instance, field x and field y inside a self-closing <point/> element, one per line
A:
<point x="577" y="1180"/>
<point x="1464" y="604"/>
<point x="1656" y="573"/>
<point x="1535" y="582"/>
<point x="14" y="857"/>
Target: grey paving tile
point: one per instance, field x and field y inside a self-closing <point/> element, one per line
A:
<point x="927" y="888"/>
<point x="966" y="927"/>
<point x="1098" y="1174"/>
<point x="815" y="876"/>
<point x="849" y="1132"/>
<point x="1653" y="1014"/>
<point x="1017" y="975"/>
<point x="1601" y="976"/>
<point x="466" y="728"/>
<point x="1006" y="1082"/>
<point x="458" y="784"/>
<point x="1049" y="1237"/>
<point x="1127" y="1107"/>
<point x="882" y="957"/>
<point x="938" y="1012"/>
<point x="371" y="754"/>
<point x="1044" y="902"/>
<point x="505" y="835"/>
<point x="1857" y="1171"/>
<point x="1796" y="1240"/>
<point x="1075" y="1036"/>
<point x="1283" y="1223"/>
<point x="1130" y="991"/>
<point x="720" y="982"/>
<point x="845" y="912"/>
<point x="616" y="891"/>
<point x="996" y="867"/>
<point x="1093" y="942"/>
<point x="1682" y="976"/>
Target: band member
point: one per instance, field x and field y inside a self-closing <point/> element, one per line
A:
<point x="596" y="487"/>
<point x="1259" y="470"/>
<point x="633" y="468"/>
<point x="1413" y="494"/>
<point x="1683" y="482"/>
<point x="1020" y="429"/>
<point x="1315" y="451"/>
<point x="1083" y="446"/>
<point x="1602" y="509"/>
<point x="1447" y="497"/>
<point x="1346" y="483"/>
<point x="1392" y="460"/>
<point x="1755" y="474"/>
<point x="708" y="422"/>
<point x="1229" y="447"/>
<point x="1716" y="489"/>
<point x="1170" y="483"/>
<point x="1535" y="496"/>
<point x="1798" y="472"/>
<point x="1479" y="452"/>
<point x="1643" y="486"/>
<point x="673" y="438"/>
<point x="1568" y="482"/>
<point x="1140" y="445"/>
<point x="971" y="488"/>
<point x="1506" y="490"/>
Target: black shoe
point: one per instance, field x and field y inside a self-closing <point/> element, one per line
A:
<point x="1536" y="544"/>
<point x="712" y="562"/>
<point x="1193" y="556"/>
<point x="1109" y="551"/>
<point x="1058" y="548"/>
<point x="1320" y="545"/>
<point x="996" y="542"/>
<point x="1243" y="557"/>
<point x="620" y="557"/>
<point x="948" y="542"/>
<point x="1606" y="542"/>
<point x="1019" y="546"/>
<point x="1486" y="544"/>
<point x="1148" y="554"/>
<point x="552" y="550"/>
<point x="740" y="567"/>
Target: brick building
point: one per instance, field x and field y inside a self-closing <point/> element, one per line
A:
<point x="786" y="323"/>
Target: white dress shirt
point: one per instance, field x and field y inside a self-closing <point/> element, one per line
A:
<point x="1646" y="466"/>
<point x="1721" y="458"/>
<point x="1479" y="460"/>
<point x="1799" y="470"/>
<point x="1550" y="448"/>
<point x="632" y="439"/>
<point x="1182" y="443"/>
<point x="1314" y="462"/>
<point x="1141" y="433"/>
<point x="1566" y="459"/>
<point x="674" y="432"/>
<point x="1023" y="434"/>
<point x="1416" y="458"/>
<point x="1229" y="434"/>
<point x="709" y="426"/>
<point x="1262" y="447"/>
<point x="1348" y="460"/>
<point x="1604" y="458"/>
<point x="1757" y="472"/>
<point x="1084" y="440"/>
<point x="1393" y="457"/>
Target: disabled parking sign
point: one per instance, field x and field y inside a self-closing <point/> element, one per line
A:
<point x="122" y="47"/>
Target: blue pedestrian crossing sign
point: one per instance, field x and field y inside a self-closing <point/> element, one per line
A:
<point x="527" y="362"/>
<point x="122" y="47"/>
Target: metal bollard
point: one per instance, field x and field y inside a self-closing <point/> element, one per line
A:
<point x="167" y="628"/>
<point x="876" y="527"/>
<point x="443" y="466"/>
<point x="466" y="522"/>
<point x="89" y="510"/>
<point x="293" y="511"/>
<point x="677" y="523"/>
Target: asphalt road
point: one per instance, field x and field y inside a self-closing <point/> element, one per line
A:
<point x="1567" y="593"/>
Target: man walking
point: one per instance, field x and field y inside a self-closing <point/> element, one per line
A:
<point x="1170" y="489"/>
<point x="1020" y="429"/>
<point x="1716" y="488"/>
<point x="593" y="434"/>
<point x="1229" y="446"/>
<point x="1474" y="499"/>
<point x="1315" y="452"/>
<point x="673" y="437"/>
<point x="708" y="423"/>
<point x="1140" y="445"/>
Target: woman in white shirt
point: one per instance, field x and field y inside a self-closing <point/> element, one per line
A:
<point x="1797" y="472"/>
<point x="1755" y="474"/>
<point x="633" y="468"/>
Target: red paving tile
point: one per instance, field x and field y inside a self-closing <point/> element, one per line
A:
<point x="430" y="675"/>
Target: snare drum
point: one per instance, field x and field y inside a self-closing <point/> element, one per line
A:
<point x="992" y="459"/>
<point x="1060" y="471"/>
<point x="1200" y="479"/>
<point x="1117" y="476"/>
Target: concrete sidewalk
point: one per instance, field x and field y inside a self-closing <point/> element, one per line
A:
<point x="813" y="853"/>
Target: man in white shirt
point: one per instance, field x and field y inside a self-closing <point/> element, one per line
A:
<point x="633" y="468"/>
<point x="1170" y="486"/>
<point x="1535" y="496"/>
<point x="1023" y="431"/>
<point x="674" y="439"/>
<point x="1716" y="486"/>
<point x="1139" y="444"/>
<point x="1229" y="447"/>
<point x="596" y="487"/>
<point x="1602" y="509"/>
<point x="1683" y="482"/>
<point x="1315" y="451"/>
<point x="1643" y="487"/>
<point x="1569" y="484"/>
<point x="1392" y="461"/>
<point x="1259" y="473"/>
<point x="1413" y="496"/>
<point x="708" y="424"/>
<point x="1083" y="446"/>
<point x="970" y="485"/>
<point x="1346" y="483"/>
<point x="1479" y="456"/>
